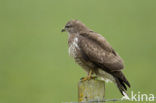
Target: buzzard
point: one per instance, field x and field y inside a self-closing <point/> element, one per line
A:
<point x="95" y="55"/>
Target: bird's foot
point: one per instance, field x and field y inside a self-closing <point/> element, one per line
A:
<point x="85" y="78"/>
<point x="88" y="78"/>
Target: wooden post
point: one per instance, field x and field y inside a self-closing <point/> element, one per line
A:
<point x="91" y="90"/>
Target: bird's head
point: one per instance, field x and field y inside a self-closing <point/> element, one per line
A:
<point x="75" y="26"/>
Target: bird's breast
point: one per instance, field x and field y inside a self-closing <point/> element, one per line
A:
<point x="74" y="48"/>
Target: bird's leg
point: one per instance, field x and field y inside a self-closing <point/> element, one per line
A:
<point x="90" y="74"/>
<point x="88" y="77"/>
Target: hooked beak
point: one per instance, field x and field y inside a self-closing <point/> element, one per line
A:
<point x="63" y="30"/>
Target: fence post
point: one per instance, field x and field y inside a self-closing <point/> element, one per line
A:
<point x="91" y="90"/>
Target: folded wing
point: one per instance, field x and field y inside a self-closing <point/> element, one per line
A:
<point x="99" y="51"/>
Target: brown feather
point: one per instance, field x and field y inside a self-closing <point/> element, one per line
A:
<point x="92" y="52"/>
<point x="98" y="50"/>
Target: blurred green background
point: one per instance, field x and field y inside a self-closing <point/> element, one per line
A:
<point x="34" y="63"/>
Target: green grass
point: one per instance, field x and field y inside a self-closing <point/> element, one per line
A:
<point x="34" y="63"/>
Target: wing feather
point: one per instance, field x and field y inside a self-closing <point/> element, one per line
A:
<point x="99" y="51"/>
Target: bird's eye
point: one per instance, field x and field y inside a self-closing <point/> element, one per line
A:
<point x="67" y="26"/>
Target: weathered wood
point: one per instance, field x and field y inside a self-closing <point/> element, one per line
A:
<point x="91" y="90"/>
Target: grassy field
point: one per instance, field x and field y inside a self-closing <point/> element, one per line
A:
<point x="34" y="63"/>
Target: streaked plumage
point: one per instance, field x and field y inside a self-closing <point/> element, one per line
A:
<point x="92" y="52"/>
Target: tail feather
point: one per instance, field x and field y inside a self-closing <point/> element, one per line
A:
<point x="120" y="86"/>
<point x="121" y="81"/>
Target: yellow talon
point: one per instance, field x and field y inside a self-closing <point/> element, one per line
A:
<point x="88" y="77"/>
<point x="90" y="74"/>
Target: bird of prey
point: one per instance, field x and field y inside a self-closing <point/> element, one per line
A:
<point x="95" y="55"/>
